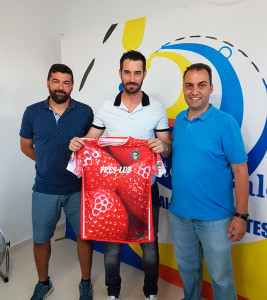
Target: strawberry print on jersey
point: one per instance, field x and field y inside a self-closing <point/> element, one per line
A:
<point x="107" y="217"/>
<point x="116" y="193"/>
<point x="97" y="167"/>
<point x="134" y="192"/>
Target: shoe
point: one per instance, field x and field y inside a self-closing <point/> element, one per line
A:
<point x="86" y="290"/>
<point x="41" y="291"/>
<point x="112" y="298"/>
<point x="155" y="297"/>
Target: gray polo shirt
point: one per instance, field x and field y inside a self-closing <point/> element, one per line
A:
<point x="142" y="123"/>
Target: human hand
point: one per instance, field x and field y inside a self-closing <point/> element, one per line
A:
<point x="157" y="145"/>
<point x="237" y="229"/>
<point x="76" y="144"/>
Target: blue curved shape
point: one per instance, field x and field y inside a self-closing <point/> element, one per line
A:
<point x="232" y="96"/>
<point x="257" y="153"/>
<point x="230" y="50"/>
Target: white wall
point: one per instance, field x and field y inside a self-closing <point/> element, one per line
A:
<point x="29" y="45"/>
<point x="96" y="13"/>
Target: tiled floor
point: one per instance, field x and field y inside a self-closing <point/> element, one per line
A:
<point x="65" y="275"/>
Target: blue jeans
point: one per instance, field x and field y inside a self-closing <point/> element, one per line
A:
<point x="193" y="237"/>
<point x="150" y="257"/>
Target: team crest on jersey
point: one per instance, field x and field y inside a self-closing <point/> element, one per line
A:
<point x="135" y="155"/>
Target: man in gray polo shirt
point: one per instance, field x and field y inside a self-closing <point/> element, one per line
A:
<point x="133" y="113"/>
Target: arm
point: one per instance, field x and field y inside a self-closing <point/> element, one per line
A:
<point x="162" y="144"/>
<point x="76" y="143"/>
<point x="238" y="226"/>
<point x="26" y="146"/>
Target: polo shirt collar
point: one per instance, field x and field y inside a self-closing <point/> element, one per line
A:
<point x="72" y="104"/>
<point x="202" y="117"/>
<point x="145" y="100"/>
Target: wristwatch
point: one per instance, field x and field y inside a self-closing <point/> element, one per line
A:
<point x="244" y="217"/>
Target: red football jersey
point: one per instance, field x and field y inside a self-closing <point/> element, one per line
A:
<point x="116" y="189"/>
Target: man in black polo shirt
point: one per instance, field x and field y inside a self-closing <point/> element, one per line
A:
<point x="46" y="129"/>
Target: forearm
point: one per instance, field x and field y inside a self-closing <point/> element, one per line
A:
<point x="94" y="133"/>
<point x="237" y="228"/>
<point x="30" y="152"/>
<point x="76" y="143"/>
<point x="167" y="150"/>
<point x="163" y="143"/>
<point x="241" y="188"/>
<point x="27" y="147"/>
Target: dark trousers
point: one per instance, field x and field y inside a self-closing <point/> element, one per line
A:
<point x="150" y="257"/>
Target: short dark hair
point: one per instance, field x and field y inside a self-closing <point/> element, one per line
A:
<point x="60" y="68"/>
<point x="133" y="55"/>
<point x="199" y="67"/>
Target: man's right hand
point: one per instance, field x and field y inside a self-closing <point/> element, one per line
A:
<point x="76" y="144"/>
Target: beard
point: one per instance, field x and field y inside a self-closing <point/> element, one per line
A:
<point x="134" y="89"/>
<point x="59" y="99"/>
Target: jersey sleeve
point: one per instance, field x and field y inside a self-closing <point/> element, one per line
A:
<point x="26" y="130"/>
<point x="98" y="118"/>
<point x="160" y="169"/>
<point x="163" y="120"/>
<point x="81" y="158"/>
<point x="232" y="142"/>
<point x="73" y="165"/>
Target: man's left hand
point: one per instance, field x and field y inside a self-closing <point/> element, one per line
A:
<point x="237" y="229"/>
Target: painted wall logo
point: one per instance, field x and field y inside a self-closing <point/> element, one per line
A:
<point x="239" y="89"/>
<point x="232" y="94"/>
